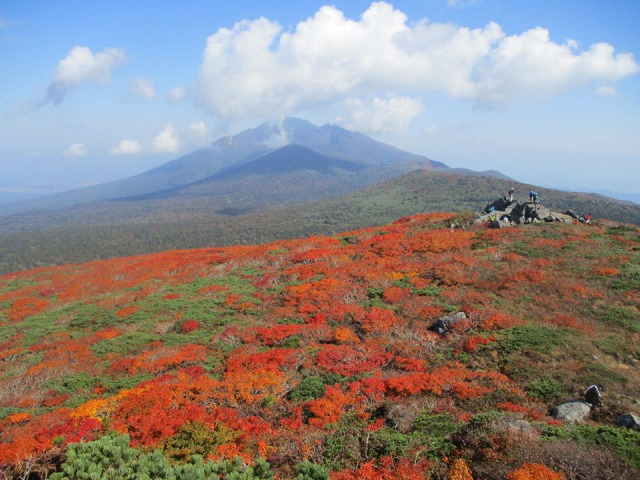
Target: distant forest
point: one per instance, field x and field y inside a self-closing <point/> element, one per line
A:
<point x="417" y="192"/>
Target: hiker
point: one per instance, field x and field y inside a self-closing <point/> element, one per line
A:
<point x="593" y="395"/>
<point x="533" y="196"/>
<point x="586" y="219"/>
<point x="510" y="193"/>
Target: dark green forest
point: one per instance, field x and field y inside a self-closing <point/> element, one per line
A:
<point x="131" y="228"/>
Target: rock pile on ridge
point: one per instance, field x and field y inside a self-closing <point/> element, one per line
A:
<point x="504" y="213"/>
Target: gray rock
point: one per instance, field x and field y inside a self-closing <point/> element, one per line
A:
<point x="443" y="324"/>
<point x="499" y="205"/>
<point x="573" y="412"/>
<point x="629" y="420"/>
<point x="521" y="427"/>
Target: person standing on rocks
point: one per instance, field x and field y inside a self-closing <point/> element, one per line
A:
<point x="593" y="395"/>
<point x="510" y="193"/>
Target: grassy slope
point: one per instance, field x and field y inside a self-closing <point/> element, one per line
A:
<point x="318" y="349"/>
<point x="97" y="234"/>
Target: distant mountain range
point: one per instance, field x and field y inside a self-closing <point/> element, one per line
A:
<point x="346" y="160"/>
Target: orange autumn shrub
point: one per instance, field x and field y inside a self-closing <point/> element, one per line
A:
<point x="345" y="335"/>
<point x="534" y="471"/>
<point x="459" y="470"/>
<point x="605" y="271"/>
<point x="126" y="311"/>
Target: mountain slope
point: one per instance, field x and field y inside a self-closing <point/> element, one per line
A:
<point x="138" y="227"/>
<point x="317" y="355"/>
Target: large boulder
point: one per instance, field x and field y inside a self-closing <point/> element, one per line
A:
<point x="443" y="325"/>
<point x="572" y="214"/>
<point x="572" y="412"/>
<point x="499" y="205"/>
<point x="629" y="420"/>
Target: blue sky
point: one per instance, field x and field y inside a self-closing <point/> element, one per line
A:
<point x="546" y="92"/>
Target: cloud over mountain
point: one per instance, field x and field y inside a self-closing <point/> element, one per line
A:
<point x="167" y="140"/>
<point x="126" y="147"/>
<point x="256" y="67"/>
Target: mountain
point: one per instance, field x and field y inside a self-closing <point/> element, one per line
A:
<point x="143" y="226"/>
<point x="246" y="147"/>
<point x="407" y="350"/>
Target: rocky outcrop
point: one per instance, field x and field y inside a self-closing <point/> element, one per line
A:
<point x="572" y="412"/>
<point x="503" y="213"/>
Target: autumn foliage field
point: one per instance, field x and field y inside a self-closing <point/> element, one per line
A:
<point x="313" y="358"/>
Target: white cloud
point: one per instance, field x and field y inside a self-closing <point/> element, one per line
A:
<point x="606" y="91"/>
<point x="461" y="3"/>
<point x="382" y="115"/>
<point x="255" y="67"/>
<point x="198" y="130"/>
<point x="80" y="66"/>
<point x="143" y="87"/>
<point x="126" y="147"/>
<point x="166" y="141"/>
<point x="176" y="93"/>
<point x="75" y="150"/>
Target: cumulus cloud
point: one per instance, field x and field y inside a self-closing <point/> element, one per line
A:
<point x="81" y="66"/>
<point x="606" y="91"/>
<point x="142" y="87"/>
<point x="198" y="131"/>
<point x="256" y="67"/>
<point x="126" y="147"/>
<point x="75" y="150"/>
<point x="176" y="93"/>
<point x="166" y="141"/>
<point x="382" y="115"/>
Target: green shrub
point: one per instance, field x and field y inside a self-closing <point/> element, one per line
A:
<point x="111" y="458"/>
<point x="125" y="344"/>
<point x="343" y="447"/>
<point x="545" y="389"/>
<point x="625" y="442"/>
<point x="387" y="441"/>
<point x="619" y="316"/>
<point x="311" y="471"/>
<point x="308" y="389"/>
<point x="432" y="433"/>
<point x="537" y="338"/>
<point x="194" y="438"/>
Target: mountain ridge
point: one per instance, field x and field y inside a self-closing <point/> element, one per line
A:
<point x="135" y="228"/>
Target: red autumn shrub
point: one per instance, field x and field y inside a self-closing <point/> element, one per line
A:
<point x="190" y="326"/>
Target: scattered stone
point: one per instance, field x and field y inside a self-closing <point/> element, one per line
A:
<point x="521" y="427"/>
<point x="572" y="412"/>
<point x="629" y="420"/>
<point x="442" y="326"/>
